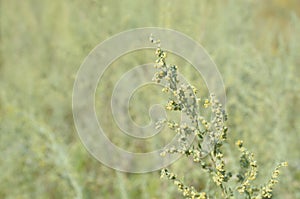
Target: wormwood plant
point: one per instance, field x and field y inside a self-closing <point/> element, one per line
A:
<point x="206" y="150"/>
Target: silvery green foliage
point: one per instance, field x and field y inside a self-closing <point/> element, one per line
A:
<point x="206" y="151"/>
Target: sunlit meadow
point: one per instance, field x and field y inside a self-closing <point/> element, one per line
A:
<point x="255" y="45"/>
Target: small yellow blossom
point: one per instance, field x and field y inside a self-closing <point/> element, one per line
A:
<point x="239" y="143"/>
<point x="163" y="55"/>
<point x="165" y="90"/>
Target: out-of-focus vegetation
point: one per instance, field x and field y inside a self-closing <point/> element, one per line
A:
<point x="255" y="44"/>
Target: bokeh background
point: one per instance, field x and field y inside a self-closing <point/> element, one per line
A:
<point x="255" y="45"/>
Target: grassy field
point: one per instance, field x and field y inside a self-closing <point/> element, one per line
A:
<point x="255" y="45"/>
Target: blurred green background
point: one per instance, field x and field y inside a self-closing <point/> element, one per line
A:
<point x="255" y="44"/>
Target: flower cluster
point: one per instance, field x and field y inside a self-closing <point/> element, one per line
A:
<point x="206" y="151"/>
<point x="187" y="191"/>
<point x="248" y="172"/>
<point x="266" y="191"/>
